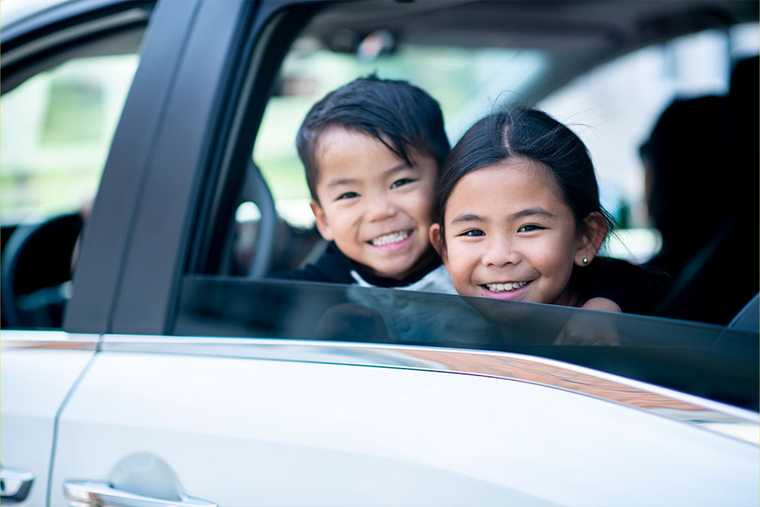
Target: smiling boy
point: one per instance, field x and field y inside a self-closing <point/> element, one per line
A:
<point x="372" y="150"/>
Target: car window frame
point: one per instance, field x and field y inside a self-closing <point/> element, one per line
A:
<point x="182" y="154"/>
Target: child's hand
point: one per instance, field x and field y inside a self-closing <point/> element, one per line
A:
<point x="602" y="304"/>
<point x="592" y="329"/>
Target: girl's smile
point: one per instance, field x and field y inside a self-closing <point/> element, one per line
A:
<point x="510" y="235"/>
<point x="513" y="291"/>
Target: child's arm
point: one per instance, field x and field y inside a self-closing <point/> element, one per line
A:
<point x="585" y="329"/>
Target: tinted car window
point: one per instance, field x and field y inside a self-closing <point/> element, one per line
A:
<point x="708" y="361"/>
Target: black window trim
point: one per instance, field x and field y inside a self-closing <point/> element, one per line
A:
<point x="193" y="117"/>
<point x="106" y="237"/>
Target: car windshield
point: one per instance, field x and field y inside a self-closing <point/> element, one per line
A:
<point x="709" y="361"/>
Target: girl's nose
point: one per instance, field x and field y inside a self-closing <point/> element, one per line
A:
<point x="500" y="252"/>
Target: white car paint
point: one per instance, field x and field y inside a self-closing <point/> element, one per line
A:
<point x="35" y="383"/>
<point x="243" y="432"/>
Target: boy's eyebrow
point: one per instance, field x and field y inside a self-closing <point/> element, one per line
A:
<point x="341" y="181"/>
<point x="351" y="181"/>
<point x="398" y="167"/>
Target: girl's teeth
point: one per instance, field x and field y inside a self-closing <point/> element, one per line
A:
<point x="505" y="287"/>
<point x="393" y="237"/>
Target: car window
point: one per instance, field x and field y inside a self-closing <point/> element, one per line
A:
<point x="483" y="71"/>
<point x="56" y="130"/>
<point x="655" y="350"/>
<point x="58" y="117"/>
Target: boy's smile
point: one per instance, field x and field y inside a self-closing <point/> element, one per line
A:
<point x="374" y="206"/>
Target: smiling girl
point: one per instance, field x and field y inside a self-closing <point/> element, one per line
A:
<point x="519" y="219"/>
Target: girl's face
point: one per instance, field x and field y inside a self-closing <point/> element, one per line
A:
<point x="510" y="235"/>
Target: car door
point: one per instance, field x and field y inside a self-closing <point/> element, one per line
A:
<point x="66" y="71"/>
<point x="201" y="394"/>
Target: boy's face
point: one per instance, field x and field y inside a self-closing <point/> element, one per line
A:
<point x="374" y="206"/>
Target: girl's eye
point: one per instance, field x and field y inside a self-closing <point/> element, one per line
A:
<point x="347" y="195"/>
<point x="472" y="233"/>
<point x="401" y="182"/>
<point x="530" y="228"/>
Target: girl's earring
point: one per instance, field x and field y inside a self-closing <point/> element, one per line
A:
<point x="584" y="260"/>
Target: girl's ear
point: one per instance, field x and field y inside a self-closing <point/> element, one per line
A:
<point x="594" y="231"/>
<point x="436" y="239"/>
<point x="322" y="226"/>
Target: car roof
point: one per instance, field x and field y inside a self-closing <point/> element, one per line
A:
<point x="15" y="10"/>
<point x="600" y="30"/>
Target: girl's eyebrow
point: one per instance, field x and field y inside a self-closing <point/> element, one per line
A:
<point x="398" y="167"/>
<point x="471" y="217"/>
<point x="532" y="211"/>
<point x="467" y="217"/>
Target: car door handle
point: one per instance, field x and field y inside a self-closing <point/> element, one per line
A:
<point x="102" y="494"/>
<point x="14" y="485"/>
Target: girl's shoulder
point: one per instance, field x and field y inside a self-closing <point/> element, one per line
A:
<point x="634" y="288"/>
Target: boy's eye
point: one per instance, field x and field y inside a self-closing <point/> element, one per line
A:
<point x="472" y="233"/>
<point x="347" y="195"/>
<point x="401" y="182"/>
<point x="530" y="228"/>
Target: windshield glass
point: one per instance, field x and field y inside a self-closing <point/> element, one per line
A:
<point x="708" y="361"/>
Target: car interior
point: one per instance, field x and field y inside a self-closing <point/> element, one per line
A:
<point x="528" y="53"/>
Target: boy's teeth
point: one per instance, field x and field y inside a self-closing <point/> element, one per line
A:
<point x="505" y="287"/>
<point x="393" y="237"/>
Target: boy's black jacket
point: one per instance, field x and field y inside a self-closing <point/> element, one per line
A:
<point x="334" y="267"/>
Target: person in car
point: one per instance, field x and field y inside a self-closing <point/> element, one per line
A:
<point x="519" y="219"/>
<point x="710" y="251"/>
<point x="676" y="208"/>
<point x="371" y="150"/>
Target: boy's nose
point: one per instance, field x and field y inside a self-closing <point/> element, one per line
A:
<point x="380" y="208"/>
<point x="499" y="253"/>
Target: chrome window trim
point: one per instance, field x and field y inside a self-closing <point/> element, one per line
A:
<point x="51" y="340"/>
<point x="712" y="416"/>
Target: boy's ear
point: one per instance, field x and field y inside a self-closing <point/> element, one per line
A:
<point x="436" y="239"/>
<point x="594" y="231"/>
<point x="322" y="226"/>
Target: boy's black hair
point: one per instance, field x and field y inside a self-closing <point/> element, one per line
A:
<point x="396" y="113"/>
<point x="534" y="135"/>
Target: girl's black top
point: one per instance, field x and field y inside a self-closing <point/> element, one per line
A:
<point x="634" y="288"/>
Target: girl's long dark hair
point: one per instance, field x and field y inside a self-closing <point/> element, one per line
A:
<point x="530" y="134"/>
